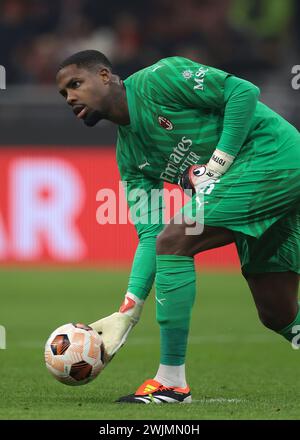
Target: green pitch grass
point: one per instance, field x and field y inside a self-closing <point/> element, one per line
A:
<point x="236" y="368"/>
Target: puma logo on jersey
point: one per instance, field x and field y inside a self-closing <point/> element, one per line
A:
<point x="143" y="165"/>
<point x="160" y="301"/>
<point x="156" y="67"/>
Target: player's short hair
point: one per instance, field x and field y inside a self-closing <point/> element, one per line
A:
<point x="87" y="59"/>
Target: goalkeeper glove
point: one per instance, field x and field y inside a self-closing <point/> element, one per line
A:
<point x="198" y="177"/>
<point x="115" y="328"/>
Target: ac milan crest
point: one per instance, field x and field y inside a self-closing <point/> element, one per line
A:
<point x="165" y="123"/>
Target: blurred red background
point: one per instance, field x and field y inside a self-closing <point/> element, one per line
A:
<point x="48" y="211"/>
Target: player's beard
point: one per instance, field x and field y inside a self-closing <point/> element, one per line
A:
<point x="93" y="117"/>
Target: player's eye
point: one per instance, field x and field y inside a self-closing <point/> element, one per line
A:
<point x="76" y="84"/>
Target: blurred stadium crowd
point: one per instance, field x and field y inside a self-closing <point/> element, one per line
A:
<point x="246" y="37"/>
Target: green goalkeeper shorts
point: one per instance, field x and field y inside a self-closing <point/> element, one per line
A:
<point x="262" y="208"/>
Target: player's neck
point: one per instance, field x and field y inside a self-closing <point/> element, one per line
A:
<point x="119" y="113"/>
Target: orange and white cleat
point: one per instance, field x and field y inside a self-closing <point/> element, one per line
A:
<point x="152" y="391"/>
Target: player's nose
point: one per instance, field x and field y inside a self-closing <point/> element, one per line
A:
<point x="71" y="99"/>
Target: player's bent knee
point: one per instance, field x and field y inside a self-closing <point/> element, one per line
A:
<point x="274" y="321"/>
<point x="267" y="321"/>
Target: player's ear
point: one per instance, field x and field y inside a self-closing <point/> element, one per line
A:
<point x="105" y="75"/>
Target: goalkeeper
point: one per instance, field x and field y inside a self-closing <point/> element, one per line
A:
<point x="180" y="121"/>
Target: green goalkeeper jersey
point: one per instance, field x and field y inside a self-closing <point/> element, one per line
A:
<point x="180" y="112"/>
<point x="176" y="110"/>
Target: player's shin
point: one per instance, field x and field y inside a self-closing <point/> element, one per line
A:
<point x="175" y="295"/>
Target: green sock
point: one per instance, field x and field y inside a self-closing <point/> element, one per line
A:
<point x="175" y="295"/>
<point x="291" y="332"/>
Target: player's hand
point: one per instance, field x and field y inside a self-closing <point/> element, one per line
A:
<point x="114" y="330"/>
<point x="197" y="178"/>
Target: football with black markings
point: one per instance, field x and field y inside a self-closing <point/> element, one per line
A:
<point x="74" y="354"/>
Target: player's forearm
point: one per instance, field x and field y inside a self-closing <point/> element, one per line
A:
<point x="241" y="98"/>
<point x="116" y="327"/>
<point x="143" y="268"/>
<point x="141" y="279"/>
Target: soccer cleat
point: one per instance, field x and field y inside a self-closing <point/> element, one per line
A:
<point x="152" y="391"/>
